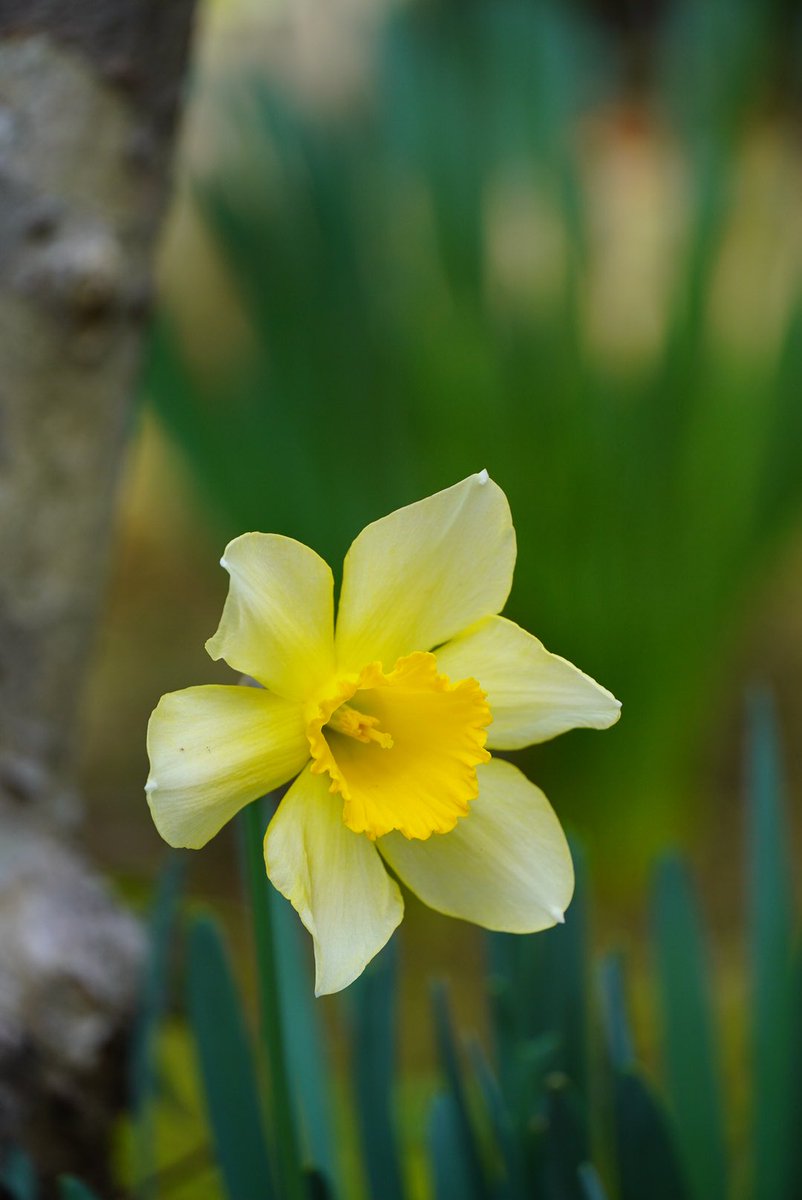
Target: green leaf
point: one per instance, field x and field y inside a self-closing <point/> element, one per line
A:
<point x="795" y="1071"/>
<point x="374" y="1034"/>
<point x="72" y="1189"/>
<point x="556" y="992"/>
<point x="452" y="1173"/>
<point x="17" y="1175"/>
<point x="505" y="1020"/>
<point x="154" y="999"/>
<point x="226" y="1058"/>
<point x="770" y="903"/>
<point x="317" y="1186"/>
<point x="565" y="1143"/>
<point x="647" y="1156"/>
<point x="538" y="989"/>
<point x="305" y="1044"/>
<point x="648" y="1159"/>
<point x="713" y="56"/>
<point x="500" y="1122"/>
<point x="281" y="1100"/>
<point x="689" y="1050"/>
<point x="614" y="1012"/>
<point x="454" y="1115"/>
<point x="592" y="1188"/>
<point x="536" y="1060"/>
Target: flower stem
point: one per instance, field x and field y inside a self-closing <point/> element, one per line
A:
<point x="285" y="1141"/>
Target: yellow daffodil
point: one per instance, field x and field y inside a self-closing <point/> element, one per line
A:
<point x="386" y="721"/>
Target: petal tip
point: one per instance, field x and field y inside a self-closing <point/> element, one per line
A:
<point x="151" y="785"/>
<point x="482" y="476"/>
<point x="557" y="914"/>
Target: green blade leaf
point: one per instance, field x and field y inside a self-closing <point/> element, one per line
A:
<point x="226" y="1058"/>
<point x="592" y="1188"/>
<point x="279" y="1094"/>
<point x="505" y="1018"/>
<point x="689" y="1050"/>
<point x="770" y="905"/>
<point x="374" y="1015"/>
<point x="452" y="1174"/>
<point x="565" y="1144"/>
<point x="500" y="1122"/>
<point x="17" y="1175"/>
<point x="317" y="1186"/>
<point x="73" y="1189"/>
<point x="614" y="1012"/>
<point x="306" y="1050"/>
<point x="795" y="1070"/>
<point x="538" y="990"/>
<point x="154" y="999"/>
<point x="455" y="1116"/>
<point x="648" y="1158"/>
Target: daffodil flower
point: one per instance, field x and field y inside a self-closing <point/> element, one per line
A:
<point x="385" y="724"/>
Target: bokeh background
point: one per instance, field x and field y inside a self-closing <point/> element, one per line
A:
<point x="562" y="241"/>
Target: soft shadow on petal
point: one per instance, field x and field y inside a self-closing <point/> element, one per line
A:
<point x="418" y="576"/>
<point x="212" y="751"/>
<point x="533" y="695"/>
<point x="278" y="620"/>
<point x="334" y="878"/>
<point x="506" y="866"/>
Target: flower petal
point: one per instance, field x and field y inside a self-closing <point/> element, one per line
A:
<point x="212" y="751"/>
<point x="421" y="574"/>
<point x="533" y="695"/>
<point x="506" y="866"/>
<point x="278" y="619"/>
<point x="335" y="880"/>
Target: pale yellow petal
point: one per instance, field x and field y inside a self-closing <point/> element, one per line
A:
<point x="421" y="574"/>
<point x="277" y="623"/>
<point x="215" y="749"/>
<point x="506" y="866"/>
<point x="533" y="695"/>
<point x="335" y="880"/>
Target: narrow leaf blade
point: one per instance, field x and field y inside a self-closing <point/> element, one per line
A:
<point x="452" y="1177"/>
<point x="455" y="1116"/>
<point x="307" y="1057"/>
<point x="770" y="944"/>
<point x="648" y="1158"/>
<point x="690" y="1056"/>
<point x="614" y="1012"/>
<point x="373" y="1056"/>
<point x="226" y="1059"/>
<point x="592" y="1187"/>
<point x="18" y="1176"/>
<point x="153" y="1001"/>
<point x="72" y="1189"/>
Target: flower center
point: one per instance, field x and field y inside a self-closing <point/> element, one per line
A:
<point x="401" y="748"/>
<point x="359" y="726"/>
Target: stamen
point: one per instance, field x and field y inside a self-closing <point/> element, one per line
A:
<point x="359" y="726"/>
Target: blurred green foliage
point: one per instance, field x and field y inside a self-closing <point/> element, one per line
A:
<point x="561" y="1108"/>
<point x="389" y="354"/>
